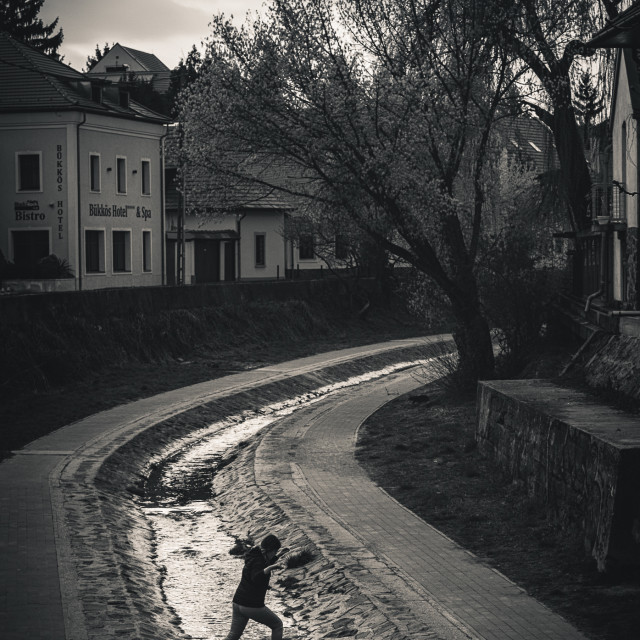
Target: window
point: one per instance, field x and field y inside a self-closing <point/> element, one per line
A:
<point x="94" y="168"/>
<point x="121" y="175"/>
<point x="146" y="177"/>
<point x="29" y="247"/>
<point x="305" y="246"/>
<point x="28" y="171"/>
<point x="94" y="251"/>
<point x="96" y="93"/>
<point x="121" y="251"/>
<point x="260" y="245"/>
<point x="146" y="251"/>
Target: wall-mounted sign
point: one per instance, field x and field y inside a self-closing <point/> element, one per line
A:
<point x="29" y="211"/>
<point x="60" y="181"/>
<point x="118" y="211"/>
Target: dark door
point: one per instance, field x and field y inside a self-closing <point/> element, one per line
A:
<point x="207" y="261"/>
<point x="29" y="247"/>
<point x="229" y="261"/>
<point x="171" y="262"/>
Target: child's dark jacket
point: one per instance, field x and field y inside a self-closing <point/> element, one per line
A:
<point x="254" y="583"/>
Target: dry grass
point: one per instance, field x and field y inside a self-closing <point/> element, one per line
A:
<point x="424" y="455"/>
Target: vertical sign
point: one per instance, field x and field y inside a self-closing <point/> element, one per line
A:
<point x="60" y="182"/>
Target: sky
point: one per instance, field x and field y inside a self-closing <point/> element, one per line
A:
<point x="166" y="28"/>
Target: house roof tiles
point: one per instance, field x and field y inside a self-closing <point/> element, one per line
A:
<point x="147" y="60"/>
<point x="32" y="81"/>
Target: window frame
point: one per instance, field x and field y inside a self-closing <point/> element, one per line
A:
<point x="122" y="159"/>
<point x="260" y="238"/>
<point x="92" y="155"/>
<point x="102" y="269"/>
<point x="127" y="252"/>
<point x="305" y="240"/>
<point x="18" y="173"/>
<point x="147" y="253"/>
<point x="145" y="162"/>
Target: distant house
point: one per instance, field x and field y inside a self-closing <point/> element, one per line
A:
<point x="82" y="175"/>
<point x="121" y="61"/>
<point x="617" y="234"/>
<point x="221" y="229"/>
<point x="529" y="141"/>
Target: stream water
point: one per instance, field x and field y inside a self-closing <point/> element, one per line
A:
<point x="192" y="549"/>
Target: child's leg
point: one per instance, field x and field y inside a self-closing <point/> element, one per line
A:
<point x="265" y="616"/>
<point x="238" y="623"/>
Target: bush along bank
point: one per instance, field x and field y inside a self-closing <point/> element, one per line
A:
<point x="111" y="543"/>
<point x="52" y="351"/>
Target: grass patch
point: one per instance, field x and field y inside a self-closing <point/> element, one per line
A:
<point x="297" y="559"/>
<point x="446" y="481"/>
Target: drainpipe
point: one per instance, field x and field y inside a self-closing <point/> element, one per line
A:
<point x="163" y="206"/>
<point x="603" y="253"/>
<point x="79" y="194"/>
<point x="240" y="218"/>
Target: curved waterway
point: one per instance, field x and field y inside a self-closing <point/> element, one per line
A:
<point x="192" y="550"/>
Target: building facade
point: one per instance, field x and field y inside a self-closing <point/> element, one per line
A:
<point x="618" y="225"/>
<point x="84" y="176"/>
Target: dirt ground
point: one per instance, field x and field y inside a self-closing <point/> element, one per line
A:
<point x="425" y="456"/>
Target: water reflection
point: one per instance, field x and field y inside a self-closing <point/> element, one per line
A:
<point x="192" y="549"/>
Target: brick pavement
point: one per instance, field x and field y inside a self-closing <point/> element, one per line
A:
<point x="307" y="465"/>
<point x="38" y="597"/>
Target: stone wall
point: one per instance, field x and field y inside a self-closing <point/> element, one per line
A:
<point x="580" y="458"/>
<point x="614" y="366"/>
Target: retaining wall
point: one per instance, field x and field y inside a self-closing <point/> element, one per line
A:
<point x="100" y="303"/>
<point x="615" y="366"/>
<point x="580" y="458"/>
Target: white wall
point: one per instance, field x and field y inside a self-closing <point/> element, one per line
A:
<point x="271" y="224"/>
<point x="65" y="199"/>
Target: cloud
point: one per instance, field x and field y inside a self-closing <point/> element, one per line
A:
<point x="167" y="28"/>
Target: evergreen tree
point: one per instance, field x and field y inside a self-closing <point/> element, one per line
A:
<point x="183" y="75"/>
<point x="20" y="19"/>
<point x="588" y="104"/>
<point x="93" y="60"/>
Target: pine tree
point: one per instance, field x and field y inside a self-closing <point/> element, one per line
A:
<point x="93" y="60"/>
<point x="19" y="19"/>
<point x="588" y="104"/>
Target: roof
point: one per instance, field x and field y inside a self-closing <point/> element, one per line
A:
<point x="148" y="60"/>
<point x="235" y="181"/>
<point x="147" y="66"/>
<point x="622" y="31"/>
<point x="32" y="81"/>
<point x="530" y="141"/>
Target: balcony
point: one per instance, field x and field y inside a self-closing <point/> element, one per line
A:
<point x="608" y="203"/>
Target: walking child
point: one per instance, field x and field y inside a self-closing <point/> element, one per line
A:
<point x="248" y="601"/>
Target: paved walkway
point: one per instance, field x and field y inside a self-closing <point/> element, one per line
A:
<point x="401" y="559"/>
<point x="308" y="465"/>
<point x="37" y="598"/>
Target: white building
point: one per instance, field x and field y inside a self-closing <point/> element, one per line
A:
<point x="619" y="225"/>
<point x="122" y="61"/>
<point x="83" y="175"/>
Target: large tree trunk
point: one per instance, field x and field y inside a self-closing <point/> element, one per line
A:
<point x="475" y="350"/>
<point x="576" y="181"/>
<point x="471" y="334"/>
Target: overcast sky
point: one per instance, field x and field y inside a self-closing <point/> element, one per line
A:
<point x="167" y="28"/>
